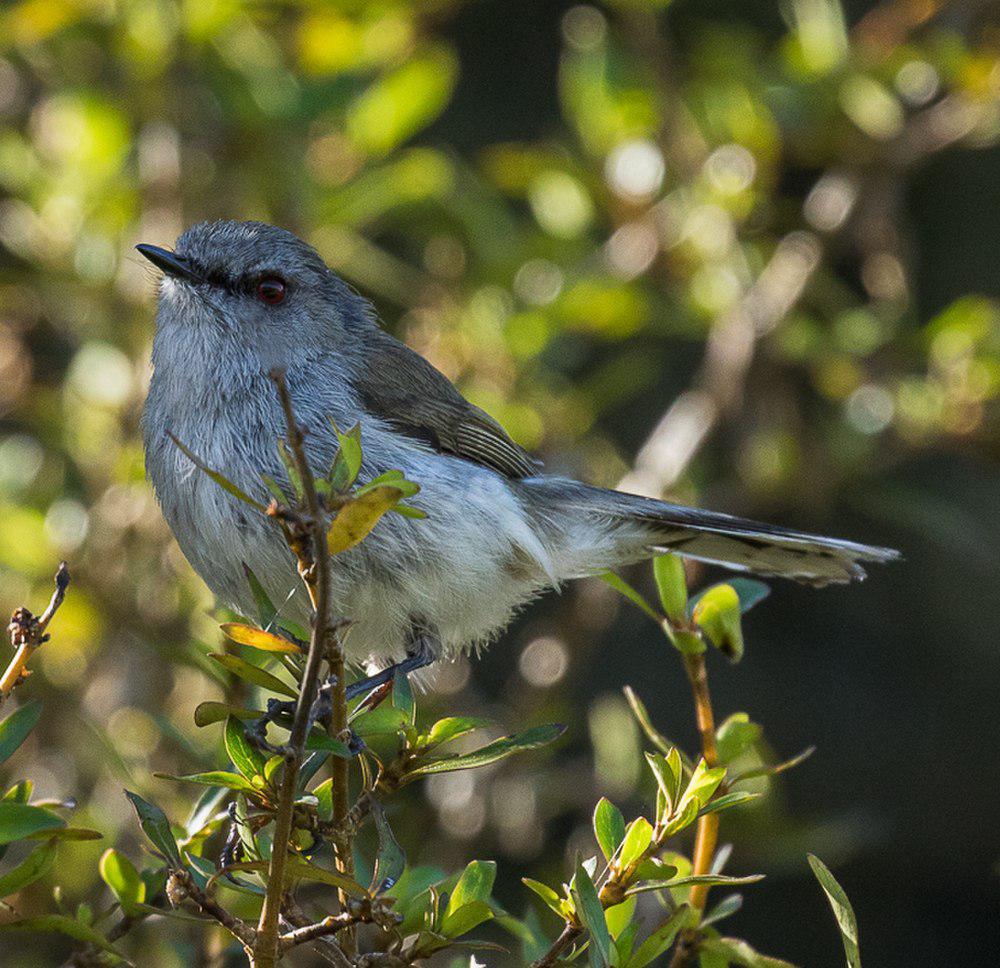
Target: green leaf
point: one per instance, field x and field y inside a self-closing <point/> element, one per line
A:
<point x="20" y="792"/>
<point x="207" y="713"/>
<point x="445" y="730"/>
<point x="773" y="770"/>
<point x="646" y="724"/>
<point x="276" y="492"/>
<point x="464" y="919"/>
<point x="618" y="916"/>
<point x="297" y="868"/>
<point x="390" y="861"/>
<point x="347" y="461"/>
<point x="659" y="940"/>
<point x="609" y="827"/>
<point x="252" y="674"/>
<point x="750" y="591"/>
<point x="737" y="952"/>
<point x="223" y="778"/>
<point x="553" y="900"/>
<point x="396" y="479"/>
<point x="294" y="478"/>
<point x="727" y="907"/>
<point x="528" y="740"/>
<point x="221" y="480"/>
<point x="61" y="924"/>
<point x="638" y="837"/>
<point x="671" y="583"/>
<point x="36" y="865"/>
<point x="67" y="833"/>
<point x="402" y="695"/>
<point x="667" y="774"/>
<point x="591" y="914"/>
<point x="355" y="520"/>
<point x="243" y="754"/>
<point x="118" y="872"/>
<point x="259" y="639"/>
<point x="624" y="588"/>
<point x="20" y="820"/>
<point x="475" y="884"/>
<point x="710" y="880"/>
<point x="735" y="736"/>
<point x="703" y="783"/>
<point x="842" y="910"/>
<point x="717" y="614"/>
<point x="321" y="742"/>
<point x="266" y="611"/>
<point x="156" y="827"/>
<point x="15" y="728"/>
<point x="729" y="800"/>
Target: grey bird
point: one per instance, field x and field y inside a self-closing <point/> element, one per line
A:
<point x="240" y="298"/>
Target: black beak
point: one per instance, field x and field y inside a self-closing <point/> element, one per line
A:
<point x="170" y="262"/>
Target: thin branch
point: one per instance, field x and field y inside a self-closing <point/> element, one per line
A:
<point x="27" y="633"/>
<point x="569" y="934"/>
<point x="314" y="567"/>
<point x="182" y="885"/>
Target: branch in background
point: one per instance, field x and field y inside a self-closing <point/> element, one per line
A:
<point x="314" y="567"/>
<point x="27" y="633"/>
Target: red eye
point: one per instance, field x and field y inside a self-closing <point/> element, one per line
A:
<point x="271" y="290"/>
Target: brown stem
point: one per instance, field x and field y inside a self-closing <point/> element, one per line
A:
<point x="569" y="934"/>
<point x="183" y="885"/>
<point x="27" y="633"/>
<point x="315" y="570"/>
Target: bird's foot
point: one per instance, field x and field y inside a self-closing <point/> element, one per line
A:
<point x="278" y="709"/>
<point x="420" y="655"/>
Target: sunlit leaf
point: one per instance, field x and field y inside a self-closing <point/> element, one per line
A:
<point x="223" y="778"/>
<point x="739" y="953"/>
<point x="842" y="910"/>
<point x="717" y="614"/>
<point x="528" y="740"/>
<point x="591" y="914"/>
<point x="19" y="820"/>
<point x="609" y="827"/>
<point x="475" y="884"/>
<point x="550" y="897"/>
<point x="347" y="461"/>
<point x="15" y="728"/>
<point x="118" y="872"/>
<point x="266" y="611"/>
<point x="624" y="588"/>
<point x="671" y="584"/>
<point x="252" y="674"/>
<point x="445" y="730"/>
<point x="356" y="519"/>
<point x="638" y="837"/>
<point x="728" y="800"/>
<point x="735" y="736"/>
<point x="207" y="713"/>
<point x="773" y="770"/>
<point x="259" y="639"/>
<point x="659" y="939"/>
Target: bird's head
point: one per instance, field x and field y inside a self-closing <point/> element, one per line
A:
<point x="251" y="287"/>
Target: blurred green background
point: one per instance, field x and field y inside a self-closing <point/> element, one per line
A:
<point x="742" y="254"/>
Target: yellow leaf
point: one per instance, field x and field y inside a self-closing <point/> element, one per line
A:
<point x="258" y="638"/>
<point x="355" y="520"/>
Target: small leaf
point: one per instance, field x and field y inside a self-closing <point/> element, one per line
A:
<point x="156" y="827"/>
<point x="445" y="730"/>
<point x="773" y="770"/>
<point x="402" y="694"/>
<point x="266" y="611"/>
<point x="751" y="592"/>
<point x="321" y="742"/>
<point x="738" y="952"/>
<point x="642" y="717"/>
<point x="553" y="900"/>
<point x="717" y="614"/>
<point x="15" y="728"/>
<point x="671" y="583"/>
<point x="710" y="880"/>
<point x="464" y="919"/>
<point x="207" y="713"/>
<point x="355" y="520"/>
<point x="624" y="588"/>
<point x="591" y="914"/>
<point x="294" y="478"/>
<point x="609" y="827"/>
<point x="347" y="461"/>
<point x="618" y="916"/>
<point x="659" y="940"/>
<point x="223" y="778"/>
<point x="19" y="820"/>
<point x="36" y="865"/>
<point x="475" y="884"/>
<point x="727" y="907"/>
<point x="735" y="736"/>
<point x="259" y="639"/>
<point x="297" y="868"/>
<point x="221" y="480"/>
<point x="390" y="861"/>
<point x="528" y="740"/>
<point x="60" y="923"/>
<point x="703" y="783"/>
<point x="666" y="779"/>
<point x="638" y="837"/>
<point x="118" y="872"/>
<point x="252" y="674"/>
<point x="244" y="755"/>
<point x="728" y="800"/>
<point x="842" y="910"/>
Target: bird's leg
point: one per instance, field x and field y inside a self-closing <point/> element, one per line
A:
<point x="420" y="653"/>
<point x="321" y="709"/>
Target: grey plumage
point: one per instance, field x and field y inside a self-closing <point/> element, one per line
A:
<point x="498" y="531"/>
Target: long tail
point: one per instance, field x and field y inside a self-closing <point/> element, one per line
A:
<point x="590" y="529"/>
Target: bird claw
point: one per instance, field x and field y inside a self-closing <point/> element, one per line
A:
<point x="420" y="655"/>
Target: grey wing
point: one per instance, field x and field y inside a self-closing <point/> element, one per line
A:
<point x="402" y="388"/>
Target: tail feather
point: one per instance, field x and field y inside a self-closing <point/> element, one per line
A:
<point x="638" y="527"/>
